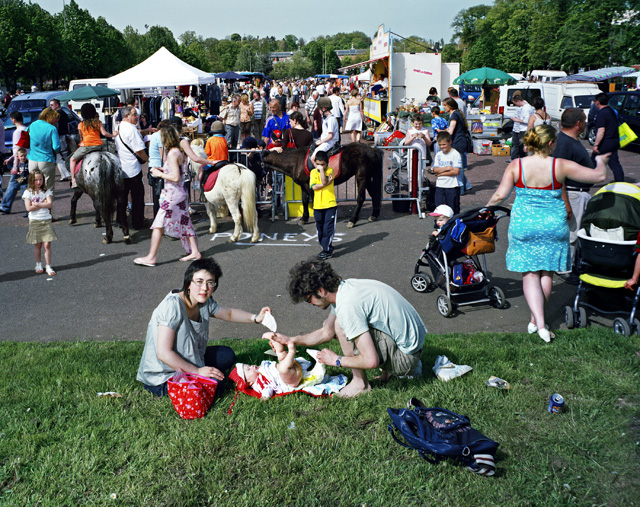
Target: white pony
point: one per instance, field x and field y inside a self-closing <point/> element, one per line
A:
<point x="236" y="184"/>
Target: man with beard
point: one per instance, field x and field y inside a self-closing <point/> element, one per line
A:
<point x="375" y="325"/>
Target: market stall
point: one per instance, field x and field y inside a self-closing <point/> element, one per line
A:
<point x="397" y="78"/>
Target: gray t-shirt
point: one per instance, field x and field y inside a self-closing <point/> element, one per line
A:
<point x="364" y="304"/>
<point x="190" y="342"/>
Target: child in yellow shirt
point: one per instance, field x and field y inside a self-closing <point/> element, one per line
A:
<point x="325" y="206"/>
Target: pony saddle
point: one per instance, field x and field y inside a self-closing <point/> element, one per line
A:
<point x="335" y="156"/>
<point x="210" y="175"/>
<point x="79" y="162"/>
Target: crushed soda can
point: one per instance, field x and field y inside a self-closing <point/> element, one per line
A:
<point x="556" y="402"/>
<point x="498" y="383"/>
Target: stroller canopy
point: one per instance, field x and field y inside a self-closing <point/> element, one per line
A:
<point x="615" y="205"/>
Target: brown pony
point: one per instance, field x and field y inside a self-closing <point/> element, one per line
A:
<point x="359" y="160"/>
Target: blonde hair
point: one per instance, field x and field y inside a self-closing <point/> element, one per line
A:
<point x="49" y="115"/>
<point x="244" y="98"/>
<point x="539" y="139"/>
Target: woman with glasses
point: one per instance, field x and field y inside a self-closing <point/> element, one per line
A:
<point x="178" y="331"/>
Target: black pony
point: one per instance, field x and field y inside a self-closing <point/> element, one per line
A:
<point x="102" y="179"/>
<point x="359" y="160"/>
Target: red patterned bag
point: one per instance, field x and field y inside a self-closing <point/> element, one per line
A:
<point x="191" y="394"/>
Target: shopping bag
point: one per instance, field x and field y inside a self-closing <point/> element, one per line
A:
<point x="626" y="134"/>
<point x="25" y="140"/>
<point x="191" y="394"/>
<point x="481" y="242"/>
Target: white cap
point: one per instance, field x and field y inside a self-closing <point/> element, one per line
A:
<point x="442" y="210"/>
<point x="240" y="370"/>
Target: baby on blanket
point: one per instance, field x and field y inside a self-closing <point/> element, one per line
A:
<point x="270" y="378"/>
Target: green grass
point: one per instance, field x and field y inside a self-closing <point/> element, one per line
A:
<point x="62" y="445"/>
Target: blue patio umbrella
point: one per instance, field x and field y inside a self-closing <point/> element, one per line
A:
<point x="231" y="76"/>
<point x="599" y="75"/>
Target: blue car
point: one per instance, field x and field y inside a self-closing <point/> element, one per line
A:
<point x="469" y="93"/>
<point x="31" y="105"/>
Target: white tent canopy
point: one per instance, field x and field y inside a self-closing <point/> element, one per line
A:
<point x="365" y="76"/>
<point x="162" y="68"/>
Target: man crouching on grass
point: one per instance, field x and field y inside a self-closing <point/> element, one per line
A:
<point x="375" y="325"/>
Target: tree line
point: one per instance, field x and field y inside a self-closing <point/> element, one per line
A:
<point x="513" y="35"/>
<point x="39" y="47"/>
<point x="522" y="35"/>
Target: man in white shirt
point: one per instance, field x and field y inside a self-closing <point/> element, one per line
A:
<point x="453" y="93"/>
<point x="131" y="147"/>
<point x="330" y="129"/>
<point x="338" y="105"/>
<point x="520" y="123"/>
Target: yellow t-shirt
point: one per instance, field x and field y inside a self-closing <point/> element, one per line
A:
<point x="325" y="197"/>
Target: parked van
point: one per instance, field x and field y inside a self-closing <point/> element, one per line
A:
<point x="99" y="104"/>
<point x="547" y="75"/>
<point x="557" y="97"/>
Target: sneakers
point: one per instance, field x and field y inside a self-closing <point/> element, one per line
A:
<point x="446" y="370"/>
<point x="50" y="270"/>
<point x="324" y="255"/>
<point x="39" y="269"/>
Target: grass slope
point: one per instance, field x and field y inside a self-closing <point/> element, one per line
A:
<point x="62" y="445"/>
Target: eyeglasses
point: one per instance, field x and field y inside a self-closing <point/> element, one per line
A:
<point x="209" y="283"/>
<point x="308" y="298"/>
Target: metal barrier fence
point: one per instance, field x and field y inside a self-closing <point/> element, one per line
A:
<point x="348" y="191"/>
<point x="276" y="196"/>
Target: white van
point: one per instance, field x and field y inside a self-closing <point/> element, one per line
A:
<point x="75" y="105"/>
<point x="557" y="97"/>
<point x="545" y="76"/>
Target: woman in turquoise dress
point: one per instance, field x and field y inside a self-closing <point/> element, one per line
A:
<point x="538" y="230"/>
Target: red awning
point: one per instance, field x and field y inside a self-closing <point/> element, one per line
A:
<point x="363" y="63"/>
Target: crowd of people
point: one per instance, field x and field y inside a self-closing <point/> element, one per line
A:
<point x="549" y="171"/>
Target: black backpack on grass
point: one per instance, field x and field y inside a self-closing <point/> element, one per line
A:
<point x="437" y="433"/>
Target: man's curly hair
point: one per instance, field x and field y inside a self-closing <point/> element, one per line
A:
<point x="307" y="277"/>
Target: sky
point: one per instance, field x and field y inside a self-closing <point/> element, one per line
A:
<point x="430" y="19"/>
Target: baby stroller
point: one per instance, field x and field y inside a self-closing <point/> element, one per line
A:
<point x="453" y="257"/>
<point x="605" y="259"/>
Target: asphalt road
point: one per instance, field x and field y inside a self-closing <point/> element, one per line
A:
<point x="99" y="294"/>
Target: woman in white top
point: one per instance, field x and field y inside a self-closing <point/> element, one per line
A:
<point x="354" y="116"/>
<point x="540" y="116"/>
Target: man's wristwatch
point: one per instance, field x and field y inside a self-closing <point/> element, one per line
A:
<point x="338" y="361"/>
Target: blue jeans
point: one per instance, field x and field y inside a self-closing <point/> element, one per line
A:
<point x="11" y="192"/>
<point x="462" y="181"/>
<point x="232" y="135"/>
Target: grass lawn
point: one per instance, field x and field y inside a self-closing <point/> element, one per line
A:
<point x="61" y="445"/>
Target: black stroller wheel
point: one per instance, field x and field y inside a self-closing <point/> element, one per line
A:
<point x="497" y="297"/>
<point x="636" y="326"/>
<point x="621" y="326"/>
<point x="582" y="317"/>
<point x="569" y="317"/>
<point x="421" y="282"/>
